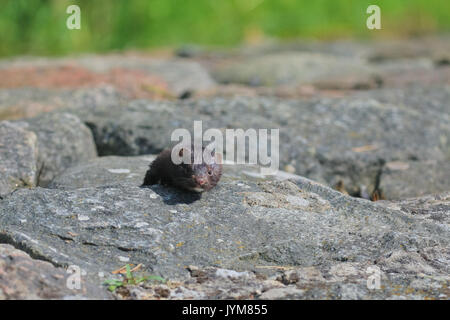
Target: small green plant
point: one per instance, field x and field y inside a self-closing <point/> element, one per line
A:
<point x="130" y="279"/>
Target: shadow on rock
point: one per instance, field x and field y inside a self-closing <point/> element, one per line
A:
<point x="173" y="196"/>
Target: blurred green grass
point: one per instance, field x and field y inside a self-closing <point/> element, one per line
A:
<point x="39" y="26"/>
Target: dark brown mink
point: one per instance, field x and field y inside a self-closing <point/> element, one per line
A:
<point x="188" y="176"/>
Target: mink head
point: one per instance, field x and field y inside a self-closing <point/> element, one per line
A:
<point x="199" y="177"/>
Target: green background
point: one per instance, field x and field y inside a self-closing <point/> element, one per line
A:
<point x="39" y="26"/>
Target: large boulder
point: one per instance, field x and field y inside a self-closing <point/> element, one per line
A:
<point x="181" y="76"/>
<point x="434" y="207"/>
<point x="241" y="225"/>
<point x="63" y="140"/>
<point x="18" y="157"/>
<point x="291" y="68"/>
<point x="115" y="170"/>
<point x="35" y="150"/>
<point x="396" y="277"/>
<point x="340" y="65"/>
<point x="334" y="141"/>
<point x="400" y="180"/>
<point x="22" y="277"/>
<point x="429" y="100"/>
<point x="135" y="75"/>
<point x="28" y="102"/>
<point x="107" y="170"/>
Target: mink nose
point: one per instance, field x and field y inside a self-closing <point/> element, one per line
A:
<point x="201" y="181"/>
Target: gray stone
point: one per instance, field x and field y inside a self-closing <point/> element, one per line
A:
<point x="100" y="171"/>
<point x="239" y="225"/>
<point x="63" y="140"/>
<point x="23" y="278"/>
<point x="18" y="157"/>
<point x="180" y="75"/>
<point x="435" y="207"/>
<point x="28" y="102"/>
<point x="400" y="180"/>
<point x="114" y="170"/>
<point x="430" y="100"/>
<point x="35" y="150"/>
<point x="252" y="236"/>
<point x="333" y="141"/>
<point x="343" y="280"/>
<point x="291" y="68"/>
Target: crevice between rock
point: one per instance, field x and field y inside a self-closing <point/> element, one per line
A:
<point x="377" y="193"/>
<point x="7" y="239"/>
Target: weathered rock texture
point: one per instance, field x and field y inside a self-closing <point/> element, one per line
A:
<point x="22" y="277"/>
<point x="240" y="225"/>
<point x="334" y="141"/>
<point x="114" y="170"/>
<point x="369" y="119"/>
<point x="63" y="140"/>
<point x="157" y="78"/>
<point x="18" y="157"/>
<point x="34" y="151"/>
<point x="28" y="102"/>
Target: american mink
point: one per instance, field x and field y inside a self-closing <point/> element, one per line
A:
<point x="188" y="176"/>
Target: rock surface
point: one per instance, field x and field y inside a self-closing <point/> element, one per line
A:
<point x="22" y="277"/>
<point x="368" y="119"/>
<point x="114" y="170"/>
<point x="334" y="141"/>
<point x="400" y="180"/>
<point x="63" y="141"/>
<point x="160" y="77"/>
<point x="25" y="103"/>
<point x="293" y="223"/>
<point x="289" y="68"/>
<point x="434" y="207"/>
<point x="17" y="103"/>
<point x="35" y="150"/>
<point x="18" y="157"/>
<point x="345" y="280"/>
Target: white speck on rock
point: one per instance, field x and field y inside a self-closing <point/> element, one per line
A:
<point x="225" y="273"/>
<point x="297" y="201"/>
<point x="97" y="208"/>
<point x="173" y="211"/>
<point x="141" y="224"/>
<point x="119" y="170"/>
<point x="82" y="217"/>
<point x="153" y="196"/>
<point x="124" y="259"/>
<point x="279" y="293"/>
